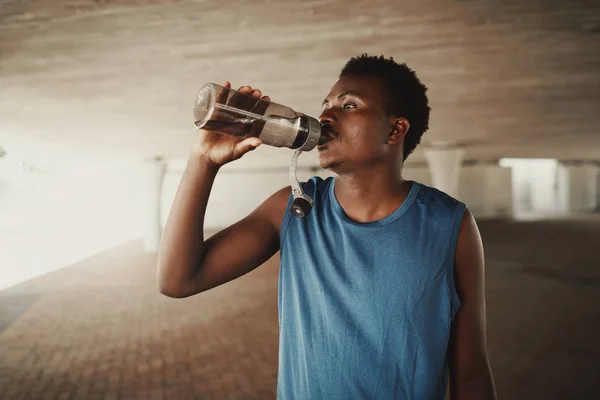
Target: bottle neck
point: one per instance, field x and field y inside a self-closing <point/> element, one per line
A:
<point x="303" y="132"/>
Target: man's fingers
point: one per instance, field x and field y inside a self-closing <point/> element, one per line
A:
<point x="267" y="98"/>
<point x="246" y="145"/>
<point x="254" y="142"/>
<point x="250" y="91"/>
<point x="243" y="99"/>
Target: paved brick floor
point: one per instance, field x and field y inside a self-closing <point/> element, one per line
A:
<point x="100" y="330"/>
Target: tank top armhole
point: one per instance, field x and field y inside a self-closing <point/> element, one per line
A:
<point x="459" y="214"/>
<point x="287" y="217"/>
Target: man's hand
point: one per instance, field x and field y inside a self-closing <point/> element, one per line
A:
<point x="219" y="148"/>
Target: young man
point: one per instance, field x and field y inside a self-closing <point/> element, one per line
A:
<point x="381" y="287"/>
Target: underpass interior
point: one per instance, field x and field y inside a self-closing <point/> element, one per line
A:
<point x="96" y="125"/>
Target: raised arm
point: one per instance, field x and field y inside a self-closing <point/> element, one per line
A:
<point x="187" y="264"/>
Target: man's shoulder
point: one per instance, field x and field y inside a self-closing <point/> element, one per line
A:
<point x="431" y="196"/>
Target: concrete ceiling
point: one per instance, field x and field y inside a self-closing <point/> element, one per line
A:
<point x="506" y="78"/>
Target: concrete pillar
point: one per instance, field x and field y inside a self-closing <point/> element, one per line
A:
<point x="582" y="181"/>
<point x="445" y="164"/>
<point x="486" y="188"/>
<point x="417" y="172"/>
<point x="598" y="187"/>
<point x="155" y="172"/>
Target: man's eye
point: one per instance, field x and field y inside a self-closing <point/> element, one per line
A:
<point x="346" y="105"/>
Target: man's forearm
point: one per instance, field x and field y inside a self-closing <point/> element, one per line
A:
<point x="183" y="237"/>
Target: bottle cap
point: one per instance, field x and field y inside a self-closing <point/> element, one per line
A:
<point x="314" y="134"/>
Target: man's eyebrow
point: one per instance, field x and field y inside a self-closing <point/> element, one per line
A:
<point x="342" y="95"/>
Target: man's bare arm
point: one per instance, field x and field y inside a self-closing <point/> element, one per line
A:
<point x="470" y="372"/>
<point x="188" y="264"/>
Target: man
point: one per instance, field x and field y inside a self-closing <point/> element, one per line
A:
<point x="381" y="287"/>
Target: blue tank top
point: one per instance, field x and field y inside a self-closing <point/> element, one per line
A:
<point x="365" y="309"/>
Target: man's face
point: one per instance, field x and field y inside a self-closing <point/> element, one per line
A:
<point x="354" y="114"/>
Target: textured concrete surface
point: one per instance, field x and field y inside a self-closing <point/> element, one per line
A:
<point x="100" y="330"/>
<point x="506" y="78"/>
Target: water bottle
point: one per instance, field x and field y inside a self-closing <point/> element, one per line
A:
<point x="228" y="111"/>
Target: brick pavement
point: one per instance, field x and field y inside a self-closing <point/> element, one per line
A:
<point x="100" y="330"/>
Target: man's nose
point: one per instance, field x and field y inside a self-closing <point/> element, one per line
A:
<point x="327" y="117"/>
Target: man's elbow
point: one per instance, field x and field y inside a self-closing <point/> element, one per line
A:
<point x="170" y="287"/>
<point x="171" y="291"/>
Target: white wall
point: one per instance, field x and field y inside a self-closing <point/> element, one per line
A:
<point x="540" y="186"/>
<point x="544" y="186"/>
<point x="52" y="215"/>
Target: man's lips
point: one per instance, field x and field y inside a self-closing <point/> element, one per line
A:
<point x="329" y="135"/>
<point x="325" y="145"/>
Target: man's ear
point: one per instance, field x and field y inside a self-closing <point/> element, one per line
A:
<point x="399" y="130"/>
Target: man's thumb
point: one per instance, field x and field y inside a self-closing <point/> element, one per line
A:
<point x="247" y="145"/>
<point x="253" y="143"/>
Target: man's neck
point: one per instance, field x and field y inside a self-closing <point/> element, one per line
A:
<point x="371" y="195"/>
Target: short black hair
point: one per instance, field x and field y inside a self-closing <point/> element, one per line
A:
<point x="405" y="95"/>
